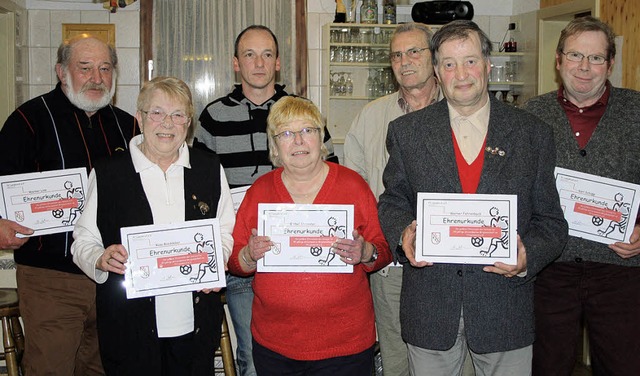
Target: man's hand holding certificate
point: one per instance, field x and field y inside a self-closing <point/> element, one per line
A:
<point x="466" y="229"/>
<point x="172" y="258"/>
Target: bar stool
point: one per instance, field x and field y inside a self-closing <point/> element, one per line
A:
<point x="225" y="351"/>
<point x="12" y="337"/>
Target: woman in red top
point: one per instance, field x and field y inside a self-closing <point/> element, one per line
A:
<point x="310" y="323"/>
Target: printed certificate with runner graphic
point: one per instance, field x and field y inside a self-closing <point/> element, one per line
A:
<point x="237" y="195"/>
<point x="303" y="235"/>
<point x="48" y="202"/>
<point x="596" y="208"/>
<point x="467" y="229"/>
<point x="177" y="257"/>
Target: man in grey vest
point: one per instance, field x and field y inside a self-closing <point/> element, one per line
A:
<point x="597" y="131"/>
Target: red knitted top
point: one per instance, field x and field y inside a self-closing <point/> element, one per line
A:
<point x="469" y="174"/>
<point x="312" y="316"/>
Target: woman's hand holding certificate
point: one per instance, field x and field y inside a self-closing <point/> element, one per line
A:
<point x="113" y="259"/>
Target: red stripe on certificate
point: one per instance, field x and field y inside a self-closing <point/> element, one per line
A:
<point x="188" y="259"/>
<point x="66" y="203"/>
<point x="474" y="232"/>
<point x="596" y="211"/>
<point x="310" y="241"/>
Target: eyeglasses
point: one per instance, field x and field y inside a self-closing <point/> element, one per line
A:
<point x="577" y="57"/>
<point x="412" y="53"/>
<point x="177" y="118"/>
<point x="305" y="133"/>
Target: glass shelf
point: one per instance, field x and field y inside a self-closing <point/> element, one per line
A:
<point x="362" y="65"/>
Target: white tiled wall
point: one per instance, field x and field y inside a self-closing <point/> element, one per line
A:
<point x="45" y="35"/>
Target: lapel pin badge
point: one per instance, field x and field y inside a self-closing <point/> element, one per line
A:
<point x="204" y="208"/>
<point x="495" y="151"/>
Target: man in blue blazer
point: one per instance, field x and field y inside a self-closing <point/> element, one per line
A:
<point x="470" y="143"/>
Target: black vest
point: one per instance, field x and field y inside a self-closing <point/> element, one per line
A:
<point x="127" y="328"/>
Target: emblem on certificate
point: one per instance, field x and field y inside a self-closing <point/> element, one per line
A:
<point x="172" y="258"/>
<point x="597" y="208"/>
<point x="303" y="237"/>
<point x="48" y="202"/>
<point x="466" y="229"/>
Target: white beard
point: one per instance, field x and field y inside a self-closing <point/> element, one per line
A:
<point x="80" y="100"/>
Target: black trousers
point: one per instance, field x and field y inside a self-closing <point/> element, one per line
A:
<point x="269" y="363"/>
<point x="607" y="298"/>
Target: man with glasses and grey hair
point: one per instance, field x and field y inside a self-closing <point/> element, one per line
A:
<point x="74" y="125"/>
<point x="470" y="143"/>
<point x="597" y="131"/>
<point x="365" y="152"/>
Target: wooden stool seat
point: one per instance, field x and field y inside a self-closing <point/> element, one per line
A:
<point x="12" y="336"/>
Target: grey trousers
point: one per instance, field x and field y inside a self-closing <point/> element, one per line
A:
<point x="424" y="362"/>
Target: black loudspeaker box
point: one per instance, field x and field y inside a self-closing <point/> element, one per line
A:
<point x="441" y="12"/>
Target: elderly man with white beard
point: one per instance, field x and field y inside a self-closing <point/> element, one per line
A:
<point x="72" y="126"/>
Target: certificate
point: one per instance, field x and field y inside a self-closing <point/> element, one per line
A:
<point x="467" y="229"/>
<point x="165" y="259"/>
<point x="48" y="202"/>
<point x="237" y="195"/>
<point x="303" y="235"/>
<point x="597" y="208"/>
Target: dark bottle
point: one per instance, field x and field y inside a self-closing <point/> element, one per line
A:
<point x="341" y="12"/>
<point x="389" y="12"/>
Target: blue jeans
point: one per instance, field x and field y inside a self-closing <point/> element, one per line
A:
<point x="239" y="300"/>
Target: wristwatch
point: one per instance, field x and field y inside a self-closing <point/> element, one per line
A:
<point x="374" y="254"/>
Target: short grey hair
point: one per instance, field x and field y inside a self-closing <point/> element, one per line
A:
<point x="66" y="49"/>
<point x="413" y="26"/>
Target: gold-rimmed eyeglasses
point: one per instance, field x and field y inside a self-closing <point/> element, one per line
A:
<point x="578" y="57"/>
<point x="412" y="53"/>
<point x="177" y="118"/>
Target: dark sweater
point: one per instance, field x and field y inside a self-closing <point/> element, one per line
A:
<point x="613" y="152"/>
<point x="31" y="142"/>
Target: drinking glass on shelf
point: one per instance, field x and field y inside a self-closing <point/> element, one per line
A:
<point x="382" y="56"/>
<point x="359" y="54"/>
<point x="365" y="36"/>
<point x="351" y="54"/>
<point x="511" y="71"/>
<point x="341" y="85"/>
<point x="371" y="84"/>
<point x="334" y="36"/>
<point x="348" y="88"/>
<point x="333" y="83"/>
<point x="344" y="36"/>
<point x="497" y="73"/>
<point x="350" y="6"/>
